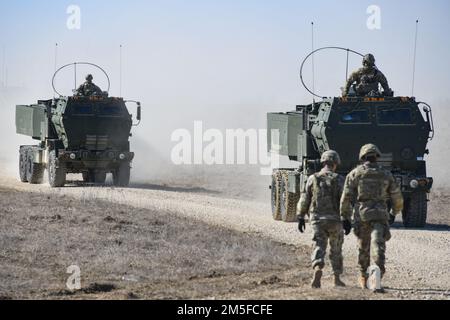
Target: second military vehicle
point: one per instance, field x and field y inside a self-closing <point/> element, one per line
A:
<point x="76" y="134"/>
<point x="397" y="125"/>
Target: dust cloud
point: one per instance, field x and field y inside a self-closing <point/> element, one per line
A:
<point x="151" y="141"/>
<point x="438" y="160"/>
<point x="222" y="97"/>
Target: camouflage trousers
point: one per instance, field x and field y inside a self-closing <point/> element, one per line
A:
<point x="372" y="237"/>
<point x="328" y="231"/>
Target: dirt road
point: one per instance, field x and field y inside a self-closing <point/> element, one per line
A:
<point x="418" y="260"/>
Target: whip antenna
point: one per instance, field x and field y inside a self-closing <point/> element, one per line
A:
<point x="120" y="71"/>
<point x="75" y="75"/>
<point x="346" y="70"/>
<point x="310" y="56"/>
<point x="312" y="62"/>
<point x="56" y="56"/>
<point x="4" y="72"/>
<point x="414" y="60"/>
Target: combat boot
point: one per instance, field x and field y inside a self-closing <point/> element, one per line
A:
<point x="381" y="290"/>
<point x="317" y="277"/>
<point x="338" y="282"/>
<point x="362" y="280"/>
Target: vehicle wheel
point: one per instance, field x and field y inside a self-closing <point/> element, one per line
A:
<point x="56" y="171"/>
<point x="288" y="200"/>
<point x="34" y="171"/>
<point x="275" y="195"/>
<point x="415" y="211"/>
<point x="23" y="166"/>
<point x="100" y="177"/>
<point x="86" y="177"/>
<point x="121" y="176"/>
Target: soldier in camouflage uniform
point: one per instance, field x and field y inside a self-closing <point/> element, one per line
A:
<point x="89" y="88"/>
<point x="368" y="188"/>
<point x="321" y="201"/>
<point x="367" y="80"/>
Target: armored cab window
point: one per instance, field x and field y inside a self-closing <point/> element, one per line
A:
<point x="389" y="116"/>
<point x="356" y="116"/>
<point x="110" y="109"/>
<point x="82" y="108"/>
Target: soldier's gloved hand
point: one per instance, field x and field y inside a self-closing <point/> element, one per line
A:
<point x="347" y="225"/>
<point x="388" y="93"/>
<point x="301" y="224"/>
<point x="391" y="218"/>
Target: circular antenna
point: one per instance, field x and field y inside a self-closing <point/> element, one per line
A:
<point x="74" y="64"/>
<point x="315" y="51"/>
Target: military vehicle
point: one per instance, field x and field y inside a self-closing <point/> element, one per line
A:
<point x="76" y="134"/>
<point x="395" y="124"/>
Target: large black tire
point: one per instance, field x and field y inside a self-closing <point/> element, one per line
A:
<point x="92" y="176"/>
<point x="415" y="211"/>
<point x="23" y="166"/>
<point x="34" y="171"/>
<point x="56" y="171"/>
<point x="275" y="195"/>
<point x="121" y="176"/>
<point x="86" y="177"/>
<point x="288" y="200"/>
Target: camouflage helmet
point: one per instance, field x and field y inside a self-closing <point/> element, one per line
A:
<point x="369" y="149"/>
<point x="330" y="156"/>
<point x="369" y="60"/>
<point x="89" y="77"/>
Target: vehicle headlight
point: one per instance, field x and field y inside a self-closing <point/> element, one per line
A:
<point x="111" y="155"/>
<point x="122" y="156"/>
<point x="407" y="153"/>
<point x="414" y="184"/>
<point x="73" y="156"/>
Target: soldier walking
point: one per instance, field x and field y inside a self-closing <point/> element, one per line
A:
<point x="368" y="188"/>
<point x="321" y="201"/>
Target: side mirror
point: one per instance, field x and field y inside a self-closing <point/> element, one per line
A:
<point x="138" y="111"/>
<point x="138" y="115"/>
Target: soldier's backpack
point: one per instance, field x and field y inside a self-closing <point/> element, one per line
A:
<point x="372" y="194"/>
<point x="326" y="197"/>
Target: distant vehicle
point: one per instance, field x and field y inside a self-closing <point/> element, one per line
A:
<point x="77" y="134"/>
<point x="395" y="124"/>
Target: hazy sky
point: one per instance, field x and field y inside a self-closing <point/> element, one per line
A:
<point x="228" y="51"/>
<point x="224" y="62"/>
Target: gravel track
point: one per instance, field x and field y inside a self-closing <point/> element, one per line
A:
<point x="418" y="261"/>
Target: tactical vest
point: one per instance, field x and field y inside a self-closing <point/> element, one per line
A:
<point x="368" y="82"/>
<point x="326" y="197"/>
<point x="89" y="89"/>
<point x="372" y="193"/>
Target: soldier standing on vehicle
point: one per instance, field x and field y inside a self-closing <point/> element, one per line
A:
<point x="321" y="201"/>
<point x="367" y="80"/>
<point x="368" y="188"/>
<point x="89" y="88"/>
